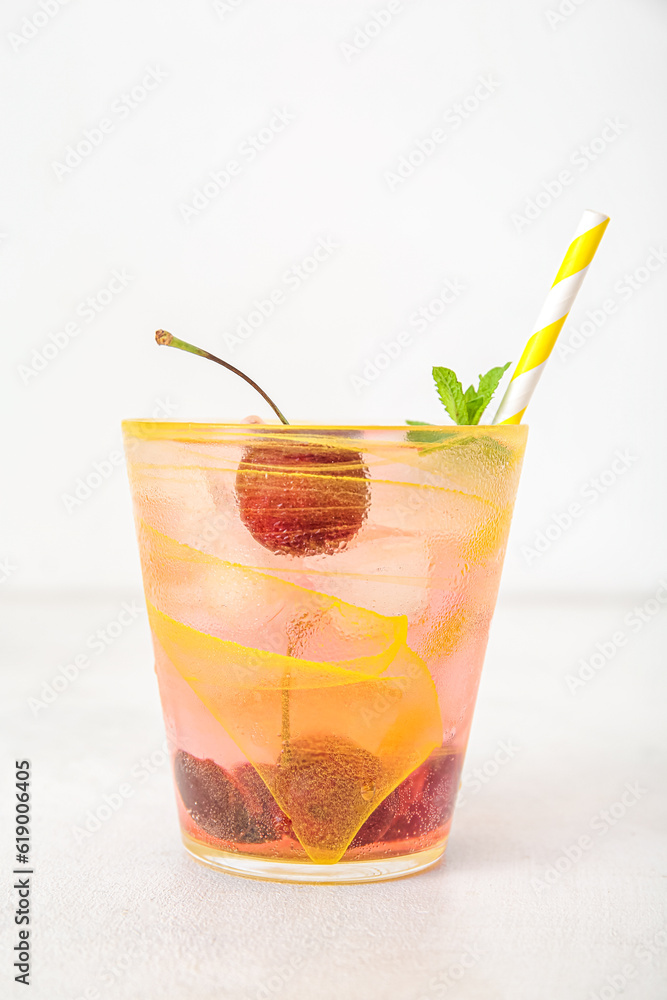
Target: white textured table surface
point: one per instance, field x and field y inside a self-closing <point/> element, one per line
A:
<point x="125" y="915"/>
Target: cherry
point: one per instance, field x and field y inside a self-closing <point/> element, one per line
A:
<point x="423" y="802"/>
<point x="260" y="803"/>
<point x="382" y="818"/>
<point x="214" y="801"/>
<point x="431" y="793"/>
<point x="233" y="806"/>
<point x="300" y="498"/>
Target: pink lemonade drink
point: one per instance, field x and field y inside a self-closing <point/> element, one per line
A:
<point x="320" y="601"/>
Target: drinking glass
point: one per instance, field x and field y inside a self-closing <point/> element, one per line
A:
<point x="320" y="600"/>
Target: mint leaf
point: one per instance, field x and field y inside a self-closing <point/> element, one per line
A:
<point x="489" y="383"/>
<point x="425" y="436"/>
<point x="450" y="391"/>
<point x="487" y="386"/>
<point x="476" y="408"/>
<point x="475" y="404"/>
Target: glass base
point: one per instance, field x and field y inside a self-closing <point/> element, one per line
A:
<point x="344" y="872"/>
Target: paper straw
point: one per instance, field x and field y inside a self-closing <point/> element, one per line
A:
<point x="552" y="317"/>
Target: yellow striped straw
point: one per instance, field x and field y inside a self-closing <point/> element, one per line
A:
<point x="552" y="317"/>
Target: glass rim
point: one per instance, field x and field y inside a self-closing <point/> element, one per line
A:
<point x="155" y="428"/>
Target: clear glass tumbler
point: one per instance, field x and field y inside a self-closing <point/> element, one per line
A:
<point x="320" y="600"/>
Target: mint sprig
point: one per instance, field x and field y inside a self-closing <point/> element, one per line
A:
<point x="466" y="407"/>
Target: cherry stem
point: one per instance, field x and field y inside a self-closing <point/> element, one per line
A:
<point x="284" y="703"/>
<point x="168" y="340"/>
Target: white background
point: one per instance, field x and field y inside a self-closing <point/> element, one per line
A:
<point x="556" y="80"/>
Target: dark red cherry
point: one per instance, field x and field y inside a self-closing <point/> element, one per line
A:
<point x="302" y="499"/>
<point x="297" y="498"/>
<point x="233" y="806"/>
